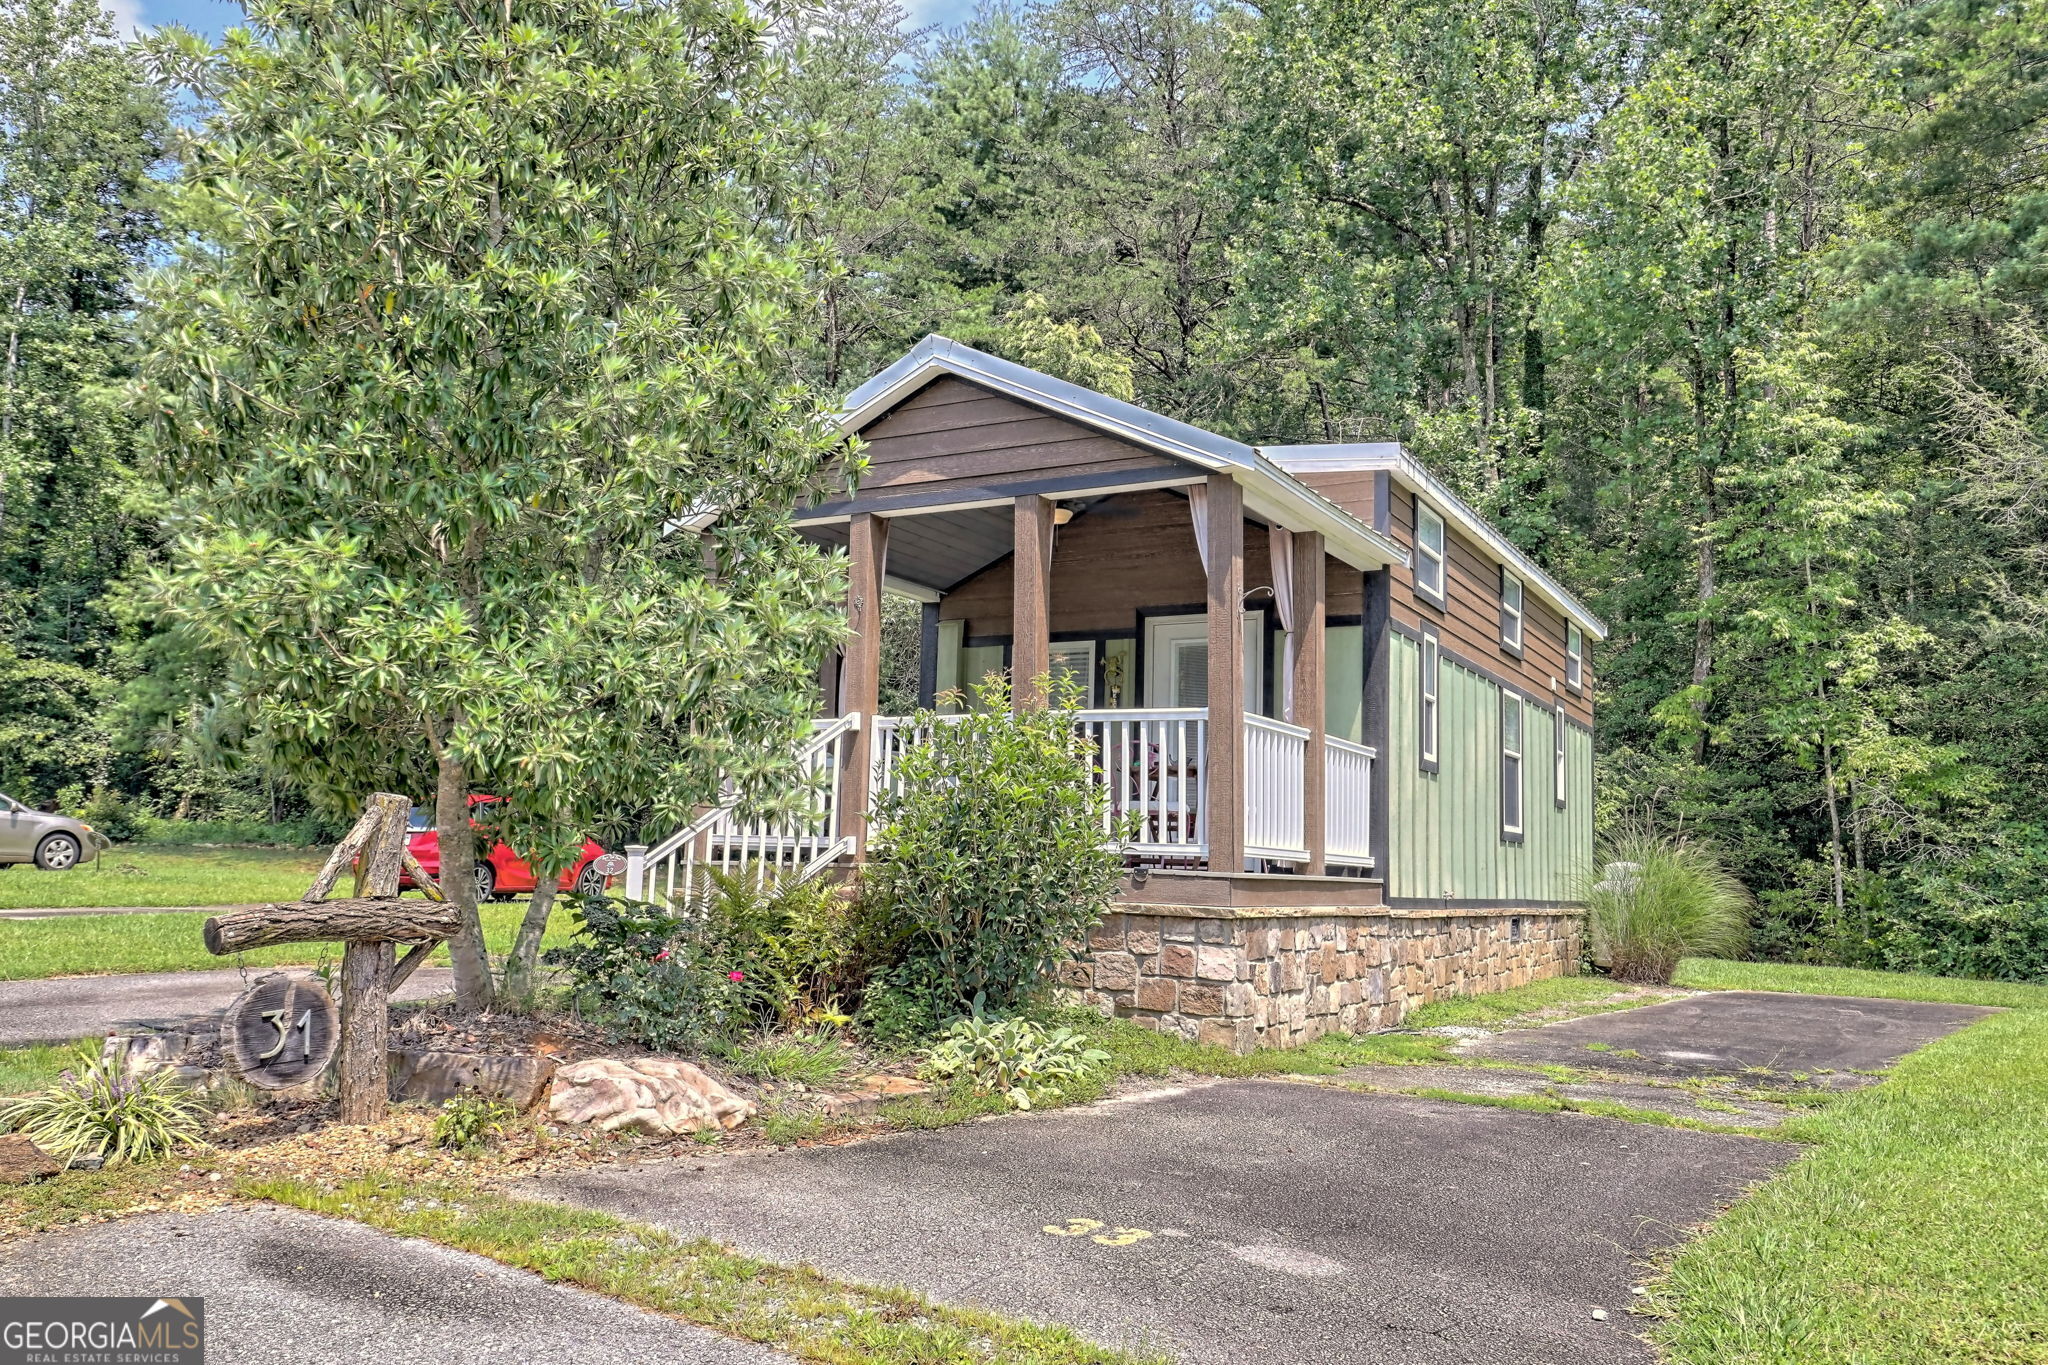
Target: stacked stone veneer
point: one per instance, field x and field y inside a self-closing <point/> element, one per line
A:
<point x="1283" y="978"/>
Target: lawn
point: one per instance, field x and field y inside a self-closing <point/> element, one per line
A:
<point x="150" y="874"/>
<point x="1915" y="1232"/>
<point x="26" y="1069"/>
<point x="88" y="945"/>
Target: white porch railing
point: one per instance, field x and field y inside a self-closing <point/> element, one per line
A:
<point x="1150" y="766"/>
<point x="1275" y="806"/>
<point x="1347" y="802"/>
<point x="721" y="840"/>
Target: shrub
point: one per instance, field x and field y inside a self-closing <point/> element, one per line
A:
<point x="1660" y="899"/>
<point x="470" y="1123"/>
<point x="305" y="833"/>
<point x="738" y="958"/>
<point x="989" y="862"/>
<point x="97" y="1112"/>
<point x="1014" y="1058"/>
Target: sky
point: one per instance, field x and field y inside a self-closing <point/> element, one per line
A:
<point x="212" y="16"/>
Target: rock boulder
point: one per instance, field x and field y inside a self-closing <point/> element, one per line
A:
<point x="650" y="1094"/>
<point x="21" y="1161"/>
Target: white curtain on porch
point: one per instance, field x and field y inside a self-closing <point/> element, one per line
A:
<point x="1280" y="549"/>
<point x="1198" y="503"/>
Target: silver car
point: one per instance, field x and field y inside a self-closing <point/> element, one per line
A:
<point x="55" y="843"/>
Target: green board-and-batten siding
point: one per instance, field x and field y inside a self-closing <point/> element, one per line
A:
<point x="1444" y="828"/>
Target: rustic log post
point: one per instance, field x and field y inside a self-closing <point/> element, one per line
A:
<point x="1030" y="601"/>
<point x="366" y="976"/>
<point x="867" y="552"/>
<point x="1223" y="764"/>
<point x="1306" y="656"/>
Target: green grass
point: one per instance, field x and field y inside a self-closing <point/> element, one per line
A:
<point x="1606" y="1109"/>
<point x="1491" y="1011"/>
<point x="86" y="945"/>
<point x="795" y="1309"/>
<point x="23" y="1069"/>
<point x="1914" y="1231"/>
<point x="96" y="1195"/>
<point x="1712" y="974"/>
<point x="815" y="1059"/>
<point x="146" y="874"/>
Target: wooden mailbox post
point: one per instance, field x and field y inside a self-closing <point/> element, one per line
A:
<point x="368" y="923"/>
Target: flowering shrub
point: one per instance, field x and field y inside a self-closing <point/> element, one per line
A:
<point x="1014" y="1058"/>
<point x="734" y="960"/>
<point x="97" y="1112"/>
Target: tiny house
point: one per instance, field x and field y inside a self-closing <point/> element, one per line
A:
<point x="1352" y="722"/>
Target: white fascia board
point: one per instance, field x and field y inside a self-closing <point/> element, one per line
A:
<point x="1275" y="496"/>
<point x="1396" y="461"/>
<point x="903" y="587"/>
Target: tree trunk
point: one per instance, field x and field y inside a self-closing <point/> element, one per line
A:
<point x="1827" y="760"/>
<point x="365" y="1031"/>
<point x="520" y="967"/>
<point x="473" y="987"/>
<point x="384" y="919"/>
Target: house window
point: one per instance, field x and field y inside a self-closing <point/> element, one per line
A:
<point x="1574" y="658"/>
<point x="1426" y="715"/>
<point x="1557" y="781"/>
<point x="1510" y="767"/>
<point x="1075" y="659"/>
<point x="1429" y="552"/>
<point x="1510" y="612"/>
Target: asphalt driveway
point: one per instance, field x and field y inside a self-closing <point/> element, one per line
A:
<point x="1797" y="1039"/>
<point x="1239" y="1221"/>
<point x="69" y="1007"/>
<point x="286" y="1288"/>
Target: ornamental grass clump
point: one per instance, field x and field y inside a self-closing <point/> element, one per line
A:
<point x="97" y="1112"/>
<point x="1659" y="899"/>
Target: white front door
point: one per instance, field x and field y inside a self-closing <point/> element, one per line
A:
<point x="1177" y="661"/>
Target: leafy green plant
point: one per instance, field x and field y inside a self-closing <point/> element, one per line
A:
<point x="470" y="1123"/>
<point x="989" y="862"/>
<point x="1015" y="1058"/>
<point x="1659" y="899"/>
<point x="95" y="1111"/>
<point x="661" y="978"/>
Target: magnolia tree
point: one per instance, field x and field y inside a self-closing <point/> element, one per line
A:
<point x="471" y="381"/>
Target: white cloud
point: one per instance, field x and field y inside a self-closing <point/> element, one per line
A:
<point x="127" y="16"/>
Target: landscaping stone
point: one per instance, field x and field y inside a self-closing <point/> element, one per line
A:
<point x="871" y="1094"/>
<point x="1283" y="978"/>
<point x="652" y="1095"/>
<point x="22" y="1162"/>
<point x="431" y="1077"/>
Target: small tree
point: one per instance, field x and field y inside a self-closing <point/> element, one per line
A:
<point x="991" y="860"/>
<point x="472" y="382"/>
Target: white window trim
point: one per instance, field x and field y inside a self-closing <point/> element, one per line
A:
<point x="1512" y="755"/>
<point x="1558" y="783"/>
<point x="1513" y="623"/>
<point x="1574" y="656"/>
<point x="1086" y="649"/>
<point x="1429" y="687"/>
<point x="1424" y="513"/>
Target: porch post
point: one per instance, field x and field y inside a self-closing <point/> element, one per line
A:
<point x="1305" y="648"/>
<point x="1030" y="600"/>
<point x="867" y="548"/>
<point x="1224" y="799"/>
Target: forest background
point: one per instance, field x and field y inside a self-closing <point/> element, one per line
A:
<point x="1730" y="313"/>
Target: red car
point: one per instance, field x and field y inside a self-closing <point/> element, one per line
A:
<point x="501" y="872"/>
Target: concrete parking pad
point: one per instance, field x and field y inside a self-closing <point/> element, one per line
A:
<point x="68" y="1007"/>
<point x="284" y="1288"/>
<point x="1827" y="1038"/>
<point x="1239" y="1221"/>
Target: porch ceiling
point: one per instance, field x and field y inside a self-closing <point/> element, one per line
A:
<point x="937" y="550"/>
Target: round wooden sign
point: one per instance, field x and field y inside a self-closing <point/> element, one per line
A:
<point x="282" y="1031"/>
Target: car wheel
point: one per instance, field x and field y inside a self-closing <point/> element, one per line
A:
<point x="591" y="882"/>
<point x="486" y="882"/>
<point x="57" y="853"/>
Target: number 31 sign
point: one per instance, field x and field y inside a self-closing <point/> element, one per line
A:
<point x="282" y="1031"/>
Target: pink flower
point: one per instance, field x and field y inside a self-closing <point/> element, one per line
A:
<point x="735" y="976"/>
<point x="661" y="956"/>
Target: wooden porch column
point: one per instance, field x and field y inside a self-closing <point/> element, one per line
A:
<point x="1305" y="652"/>
<point x="1225" y="759"/>
<point x="1030" y="601"/>
<point x="867" y="549"/>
